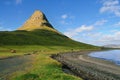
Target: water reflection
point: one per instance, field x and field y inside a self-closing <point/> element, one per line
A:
<point x="111" y="55"/>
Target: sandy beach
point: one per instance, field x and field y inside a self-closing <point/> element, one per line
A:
<point x="89" y="68"/>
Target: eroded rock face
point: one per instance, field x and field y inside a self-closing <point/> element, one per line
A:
<point x="37" y="21"/>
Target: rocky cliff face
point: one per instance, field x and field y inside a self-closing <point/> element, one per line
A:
<point x="37" y="21"/>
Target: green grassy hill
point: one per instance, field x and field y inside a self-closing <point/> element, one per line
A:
<point x="40" y="37"/>
<point x="45" y="42"/>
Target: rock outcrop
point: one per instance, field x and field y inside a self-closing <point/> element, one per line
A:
<point x="37" y="21"/>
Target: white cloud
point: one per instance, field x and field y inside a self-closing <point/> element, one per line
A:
<point x="64" y="22"/>
<point x="76" y="31"/>
<point x="100" y="38"/>
<point x="15" y="2"/>
<point x="70" y="33"/>
<point x="117" y="24"/>
<point x="64" y="16"/>
<point x="83" y="28"/>
<point x="111" y="6"/>
<point x="18" y="2"/>
<point x="110" y="38"/>
<point x="4" y="29"/>
<point x="93" y="35"/>
<point x="66" y="19"/>
<point x="100" y="23"/>
<point x="113" y="31"/>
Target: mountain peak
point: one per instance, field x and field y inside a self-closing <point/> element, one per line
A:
<point x="37" y="21"/>
<point x="38" y="15"/>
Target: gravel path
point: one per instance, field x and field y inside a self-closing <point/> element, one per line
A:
<point x="10" y="65"/>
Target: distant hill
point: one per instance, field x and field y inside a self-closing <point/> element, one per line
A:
<point x="112" y="46"/>
<point x="38" y="31"/>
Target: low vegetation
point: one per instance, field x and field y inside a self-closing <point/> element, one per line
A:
<point x="44" y="67"/>
<point x="39" y="37"/>
<point x="43" y="43"/>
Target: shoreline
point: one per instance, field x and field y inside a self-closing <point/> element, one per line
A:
<point x="86" y="67"/>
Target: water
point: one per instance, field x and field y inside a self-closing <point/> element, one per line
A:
<point x="111" y="55"/>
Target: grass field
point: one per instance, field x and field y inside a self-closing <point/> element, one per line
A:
<point x="38" y="37"/>
<point x="42" y="43"/>
<point x="44" y="67"/>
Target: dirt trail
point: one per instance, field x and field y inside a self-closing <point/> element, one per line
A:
<point x="10" y="65"/>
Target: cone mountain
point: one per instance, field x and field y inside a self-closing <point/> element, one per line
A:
<point x="38" y="31"/>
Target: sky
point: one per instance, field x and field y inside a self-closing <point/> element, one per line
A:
<point x="94" y="22"/>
